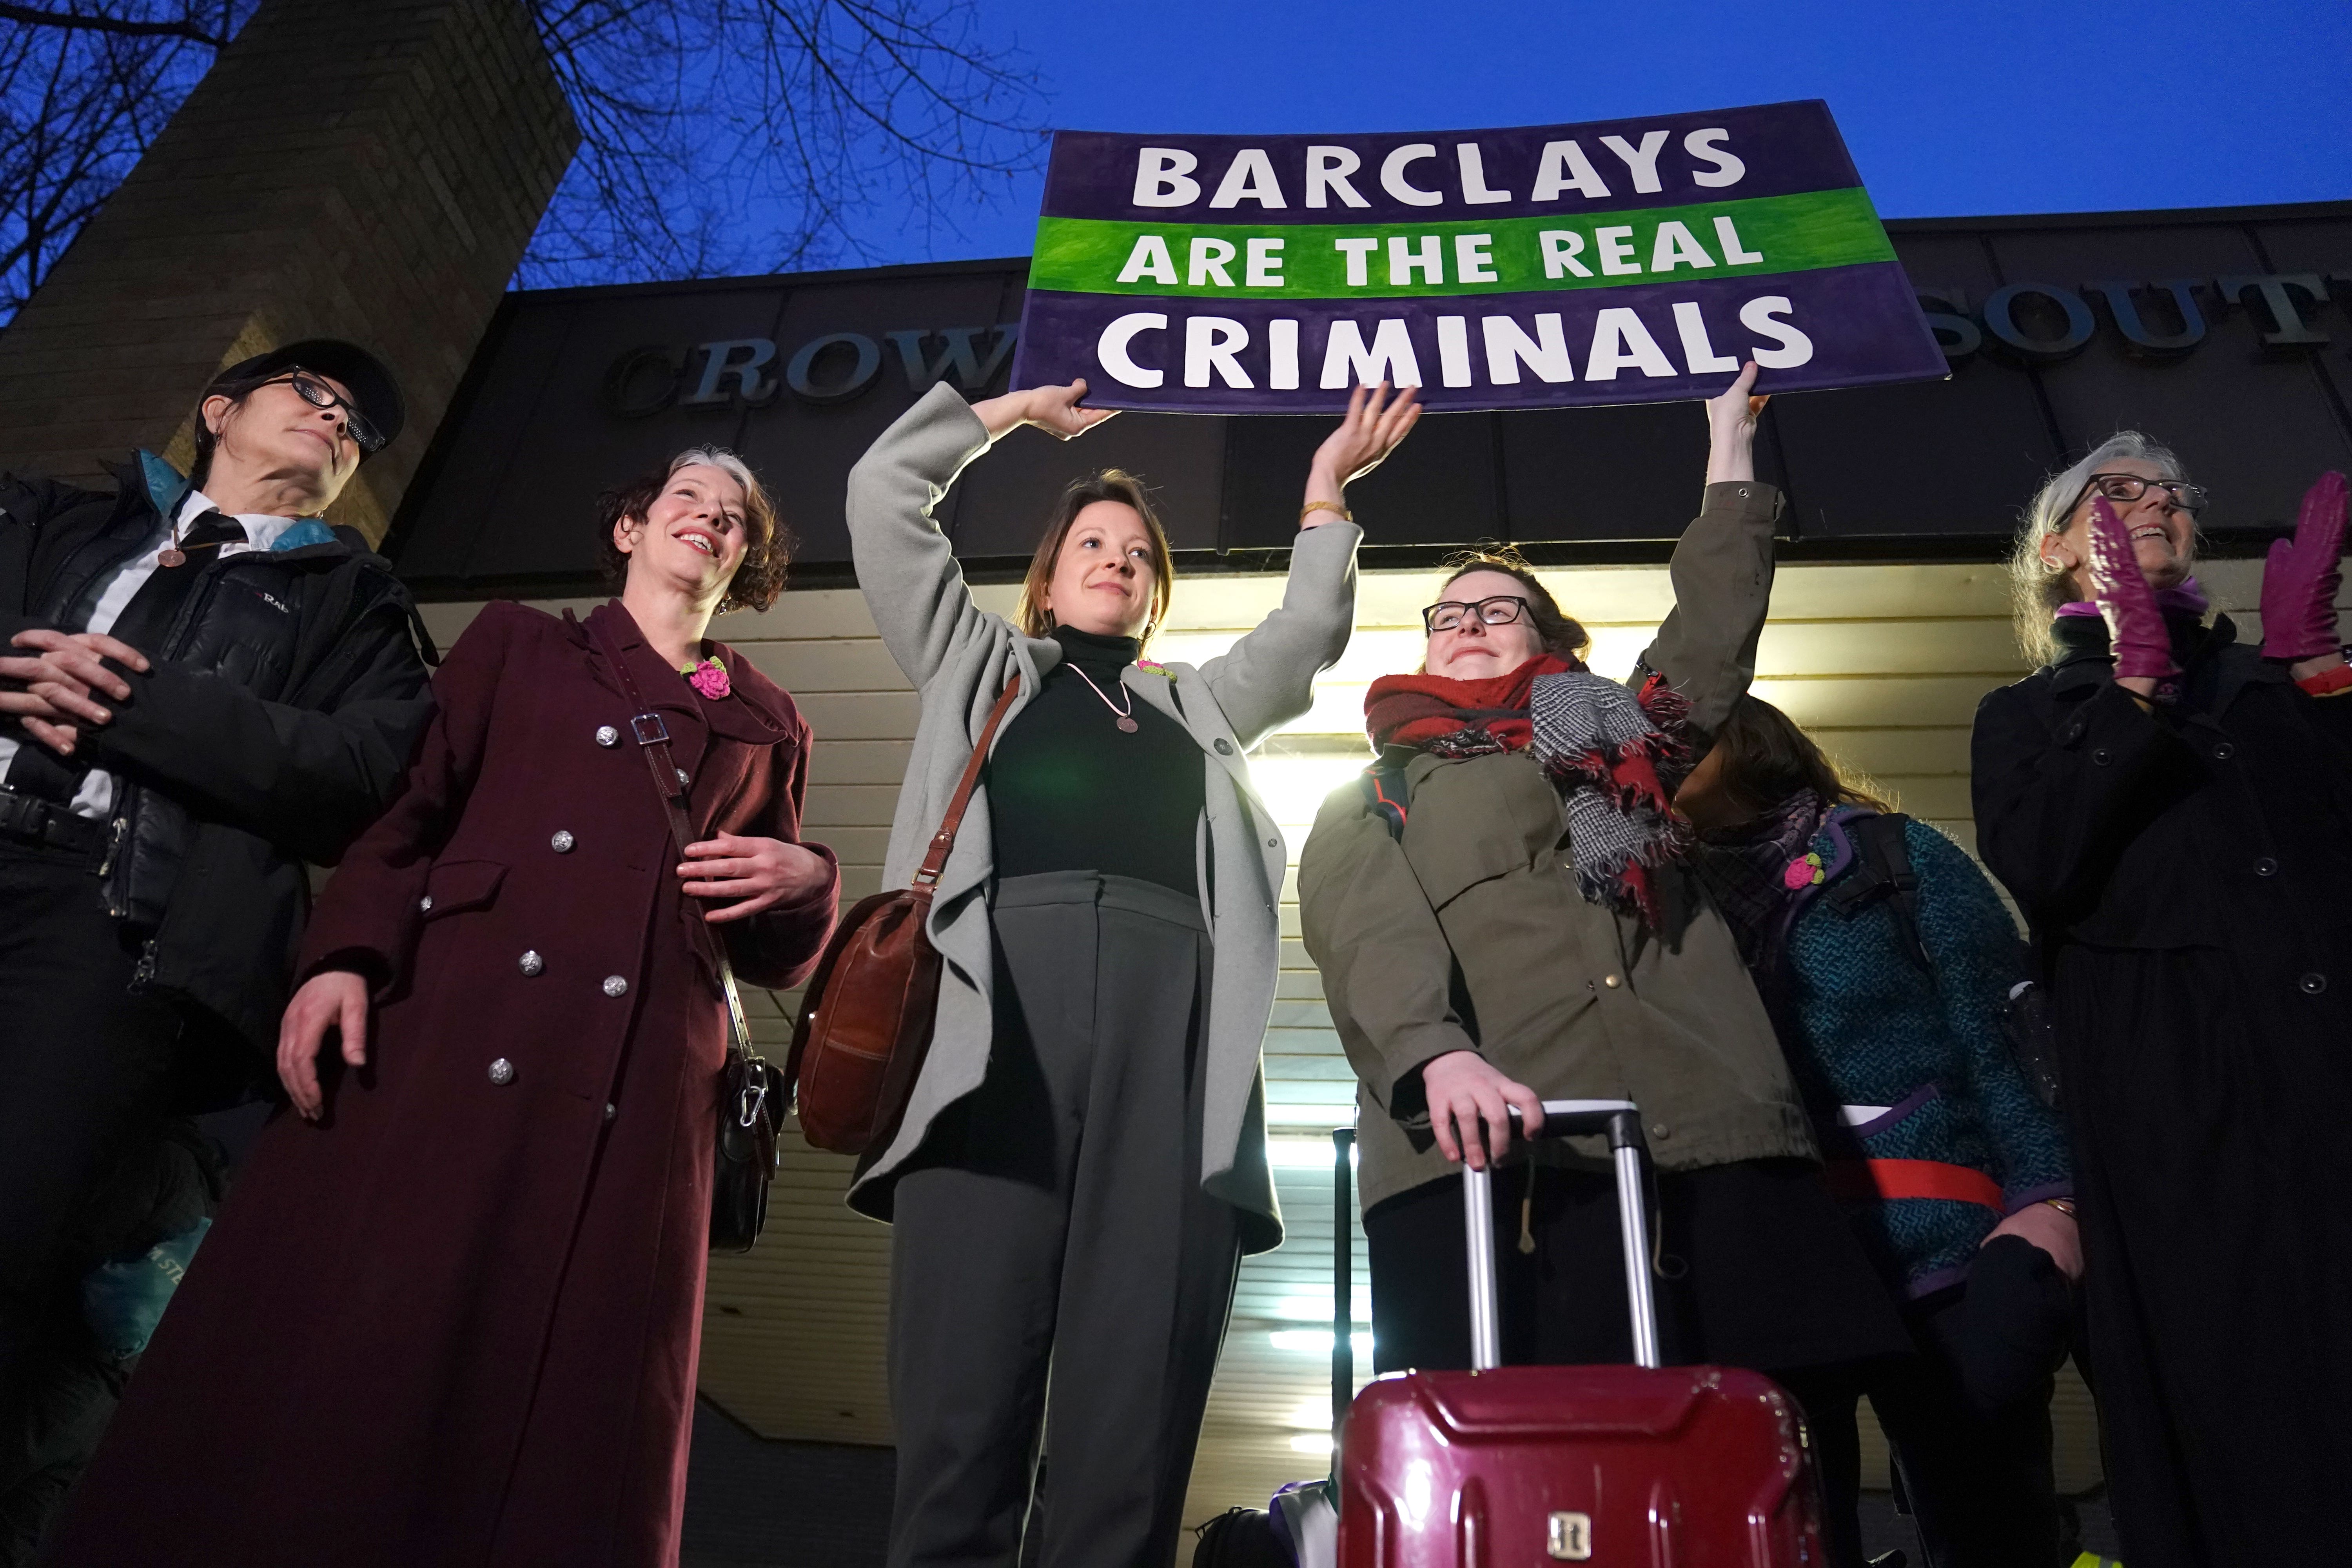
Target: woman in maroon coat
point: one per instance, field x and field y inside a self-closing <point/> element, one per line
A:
<point x="450" y="1313"/>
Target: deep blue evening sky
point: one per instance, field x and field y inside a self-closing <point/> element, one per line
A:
<point x="1951" y="110"/>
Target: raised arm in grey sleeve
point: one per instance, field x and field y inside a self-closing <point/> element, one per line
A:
<point x="1722" y="574"/>
<point x="904" y="566"/>
<point x="1267" y="679"/>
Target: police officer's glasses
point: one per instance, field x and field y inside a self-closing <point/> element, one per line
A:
<point x="1447" y="614"/>
<point x="318" y="394"/>
<point x="2131" y="487"/>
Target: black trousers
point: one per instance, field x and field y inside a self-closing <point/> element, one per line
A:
<point x="85" y="1071"/>
<point x="1053" y="1262"/>
<point x="1970" y="1416"/>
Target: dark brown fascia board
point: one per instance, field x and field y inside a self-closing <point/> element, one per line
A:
<point x="900" y="271"/>
<point x="2159" y="217"/>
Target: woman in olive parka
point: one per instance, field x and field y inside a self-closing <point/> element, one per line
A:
<point x="1507" y="918"/>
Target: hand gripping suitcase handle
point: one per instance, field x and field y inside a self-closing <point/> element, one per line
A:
<point x="1621" y="1122"/>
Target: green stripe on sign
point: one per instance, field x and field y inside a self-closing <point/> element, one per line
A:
<point x="1507" y="256"/>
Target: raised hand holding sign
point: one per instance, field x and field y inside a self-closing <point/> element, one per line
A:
<point x="1053" y="409"/>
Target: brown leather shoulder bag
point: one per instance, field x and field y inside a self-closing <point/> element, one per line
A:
<point x="865" y="1018"/>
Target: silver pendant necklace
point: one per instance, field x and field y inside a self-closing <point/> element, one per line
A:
<point x="1126" y="716"/>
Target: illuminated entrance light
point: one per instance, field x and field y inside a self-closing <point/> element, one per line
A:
<point x="1321" y="1116"/>
<point x="1317" y="1309"/>
<point x="1288" y="1153"/>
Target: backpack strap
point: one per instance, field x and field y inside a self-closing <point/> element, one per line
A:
<point x="1884" y="872"/>
<point x="1386" y="794"/>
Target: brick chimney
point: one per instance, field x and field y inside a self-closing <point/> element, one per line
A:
<point x="365" y="170"/>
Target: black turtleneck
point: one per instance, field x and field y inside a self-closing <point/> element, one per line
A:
<point x="1068" y="790"/>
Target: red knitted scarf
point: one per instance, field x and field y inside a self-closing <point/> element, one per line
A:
<point x="1414" y="710"/>
<point x="1621" y="820"/>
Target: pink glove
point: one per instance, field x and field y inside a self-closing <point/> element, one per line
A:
<point x="2135" y="622"/>
<point x="2300" y="581"/>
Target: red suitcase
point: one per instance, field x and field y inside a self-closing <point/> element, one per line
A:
<point x="1632" y="1466"/>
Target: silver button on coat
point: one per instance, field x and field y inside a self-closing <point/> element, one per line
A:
<point x="607" y="736"/>
<point x="610" y="1110"/>
<point x="425" y="904"/>
<point x="563" y="842"/>
<point x="615" y="986"/>
<point x="502" y="1072"/>
<point x="530" y="963"/>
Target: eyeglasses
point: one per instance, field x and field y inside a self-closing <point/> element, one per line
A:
<point x="2131" y="487"/>
<point x="318" y="394"/>
<point x="1447" y="614"/>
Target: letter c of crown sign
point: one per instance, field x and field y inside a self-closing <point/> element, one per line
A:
<point x="1571" y="1537"/>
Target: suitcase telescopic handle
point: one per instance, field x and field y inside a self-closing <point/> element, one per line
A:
<point x="1620" y="1121"/>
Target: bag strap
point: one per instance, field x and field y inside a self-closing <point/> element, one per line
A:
<point x="1386" y="794"/>
<point x="1886" y="860"/>
<point x="935" y="860"/>
<point x="670" y="783"/>
<point x="1895" y="854"/>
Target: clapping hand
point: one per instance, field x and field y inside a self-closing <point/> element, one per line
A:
<point x="2300" y="580"/>
<point x="2136" y="628"/>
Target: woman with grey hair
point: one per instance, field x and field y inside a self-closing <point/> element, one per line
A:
<point x="2173" y="809"/>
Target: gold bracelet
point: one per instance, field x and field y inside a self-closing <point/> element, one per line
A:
<point x="1345" y="515"/>
<point x="2064" y="1205"/>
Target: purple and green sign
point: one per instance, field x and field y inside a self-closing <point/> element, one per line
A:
<point x="1623" y="261"/>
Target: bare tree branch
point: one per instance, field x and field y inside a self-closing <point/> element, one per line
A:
<point x="82" y="94"/>
<point x="755" y="134"/>
<point x="128" y="27"/>
<point x="717" y="135"/>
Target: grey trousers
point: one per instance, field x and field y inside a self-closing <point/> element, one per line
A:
<point x="1055" y="1218"/>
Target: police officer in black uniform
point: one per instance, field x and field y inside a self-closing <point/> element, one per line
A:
<point x="203" y="686"/>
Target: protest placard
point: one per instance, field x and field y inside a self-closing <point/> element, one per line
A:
<point x="1622" y="261"/>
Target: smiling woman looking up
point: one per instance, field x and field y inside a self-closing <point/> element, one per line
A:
<point x="1083" y="1161"/>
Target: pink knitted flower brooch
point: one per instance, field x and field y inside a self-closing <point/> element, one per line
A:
<point x="1805" y="871"/>
<point x="708" y="677"/>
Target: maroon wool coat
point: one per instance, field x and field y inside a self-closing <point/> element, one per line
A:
<point x="457" y="1322"/>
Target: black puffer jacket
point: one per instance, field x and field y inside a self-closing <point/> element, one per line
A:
<point x="276" y="721"/>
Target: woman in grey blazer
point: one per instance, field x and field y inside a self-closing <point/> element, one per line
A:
<point x="1083" y="1161"/>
